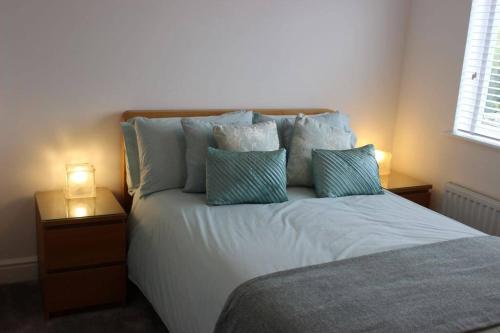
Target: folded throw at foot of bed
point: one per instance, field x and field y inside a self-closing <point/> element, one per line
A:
<point x="451" y="286"/>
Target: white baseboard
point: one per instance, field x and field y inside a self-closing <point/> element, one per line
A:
<point x="18" y="269"/>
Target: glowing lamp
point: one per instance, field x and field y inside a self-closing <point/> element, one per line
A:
<point x="80" y="181"/>
<point x="384" y="162"/>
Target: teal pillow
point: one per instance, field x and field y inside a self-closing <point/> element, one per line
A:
<point x="339" y="173"/>
<point x="199" y="136"/>
<point x="283" y="123"/>
<point x="131" y="156"/>
<point x="162" y="150"/>
<point x="246" y="177"/>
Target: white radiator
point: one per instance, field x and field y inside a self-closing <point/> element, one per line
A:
<point x="472" y="208"/>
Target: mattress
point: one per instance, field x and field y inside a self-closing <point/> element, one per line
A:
<point x="187" y="257"/>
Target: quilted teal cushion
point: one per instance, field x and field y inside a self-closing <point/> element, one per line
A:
<point x="246" y="177"/>
<point x="339" y="173"/>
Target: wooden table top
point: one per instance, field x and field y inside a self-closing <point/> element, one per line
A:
<point x="398" y="182"/>
<point x="53" y="207"/>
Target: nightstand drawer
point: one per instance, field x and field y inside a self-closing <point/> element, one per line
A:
<point x="88" y="287"/>
<point x="422" y="198"/>
<point x="80" y="246"/>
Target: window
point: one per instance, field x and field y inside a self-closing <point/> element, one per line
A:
<point x="478" y="108"/>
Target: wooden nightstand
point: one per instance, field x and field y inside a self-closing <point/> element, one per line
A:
<point x="408" y="187"/>
<point x="81" y="250"/>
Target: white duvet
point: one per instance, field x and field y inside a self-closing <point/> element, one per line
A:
<point x="187" y="257"/>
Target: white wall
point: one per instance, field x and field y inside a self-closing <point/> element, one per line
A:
<point x="69" y="68"/>
<point x="433" y="58"/>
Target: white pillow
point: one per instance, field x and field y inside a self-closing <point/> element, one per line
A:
<point x="308" y="134"/>
<point x="258" y="137"/>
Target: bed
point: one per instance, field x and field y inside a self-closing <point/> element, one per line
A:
<point x="187" y="257"/>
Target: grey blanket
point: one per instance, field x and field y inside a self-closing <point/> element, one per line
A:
<point x="452" y="286"/>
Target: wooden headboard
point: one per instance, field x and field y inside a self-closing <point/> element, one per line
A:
<point x="127" y="199"/>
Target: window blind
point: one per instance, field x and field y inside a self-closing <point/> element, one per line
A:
<point x="478" y="108"/>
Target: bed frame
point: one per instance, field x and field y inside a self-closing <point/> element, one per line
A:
<point x="126" y="198"/>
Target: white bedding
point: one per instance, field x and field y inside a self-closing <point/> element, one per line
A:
<point x="187" y="257"/>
